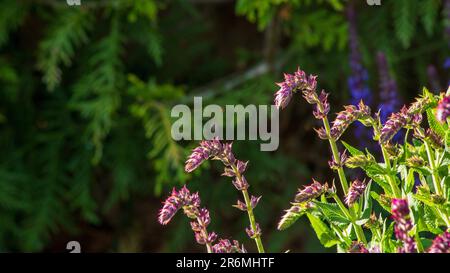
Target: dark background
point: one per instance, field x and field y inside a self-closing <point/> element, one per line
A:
<point x="86" y="93"/>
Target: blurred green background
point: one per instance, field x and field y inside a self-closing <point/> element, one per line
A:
<point x="86" y="92"/>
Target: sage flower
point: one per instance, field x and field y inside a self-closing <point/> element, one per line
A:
<point x="355" y="191"/>
<point x="346" y="117"/>
<point x="441" y="244"/>
<point x="207" y="149"/>
<point x="310" y="192"/>
<point x="292" y="83"/>
<point x="403" y="225"/>
<point x="393" y="125"/>
<point x="443" y="109"/>
<point x="253" y="233"/>
<point x="176" y="201"/>
<point x="342" y="160"/>
<point x="226" y="246"/>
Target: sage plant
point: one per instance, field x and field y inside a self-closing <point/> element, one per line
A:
<point x="216" y="150"/>
<point x="410" y="212"/>
<point x="190" y="203"/>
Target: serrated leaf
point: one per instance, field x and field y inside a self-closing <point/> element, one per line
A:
<point x="332" y="212"/>
<point x="439" y="128"/>
<point x="326" y="237"/>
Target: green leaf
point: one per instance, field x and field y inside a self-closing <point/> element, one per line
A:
<point x="353" y="151"/>
<point x="323" y="232"/>
<point x="431" y="220"/>
<point x="332" y="212"/>
<point x="439" y="128"/>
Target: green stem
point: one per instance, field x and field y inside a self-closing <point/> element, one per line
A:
<point x="395" y="189"/>
<point x="343" y="179"/>
<point x="436" y="181"/>
<point x="351" y="216"/>
<point x="251" y="216"/>
<point x="434" y="175"/>
<point x="336" y="156"/>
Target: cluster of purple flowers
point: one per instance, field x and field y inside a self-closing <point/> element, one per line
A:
<point x="403" y="225"/>
<point x="441" y="244"/>
<point x="292" y="83"/>
<point x="190" y="203"/>
<point x="216" y="150"/>
<point x="355" y="191"/>
<point x="346" y="117"/>
<point x="310" y="192"/>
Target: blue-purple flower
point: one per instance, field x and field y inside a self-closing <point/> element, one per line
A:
<point x="389" y="97"/>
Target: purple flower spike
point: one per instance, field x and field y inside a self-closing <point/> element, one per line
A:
<point x="443" y="109"/>
<point x="207" y="149"/>
<point x="396" y="122"/>
<point x="177" y="200"/>
<point x="310" y="192"/>
<point x="293" y="83"/>
<point x="403" y="225"/>
<point x="441" y="244"/>
<point x="355" y="191"/>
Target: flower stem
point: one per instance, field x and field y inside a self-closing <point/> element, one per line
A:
<point x="205" y="234"/>
<point x="251" y="216"/>
<point x="343" y="179"/>
<point x="336" y="157"/>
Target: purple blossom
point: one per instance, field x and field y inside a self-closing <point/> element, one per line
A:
<point x="225" y="246"/>
<point x="291" y="84"/>
<point x="253" y="233"/>
<point x="389" y="97"/>
<point x="176" y="201"/>
<point x="441" y="244"/>
<point x="403" y="225"/>
<point x="346" y="117"/>
<point x="207" y="149"/>
<point x="355" y="191"/>
<point x="394" y="124"/>
<point x="443" y="109"/>
<point x="310" y="192"/>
